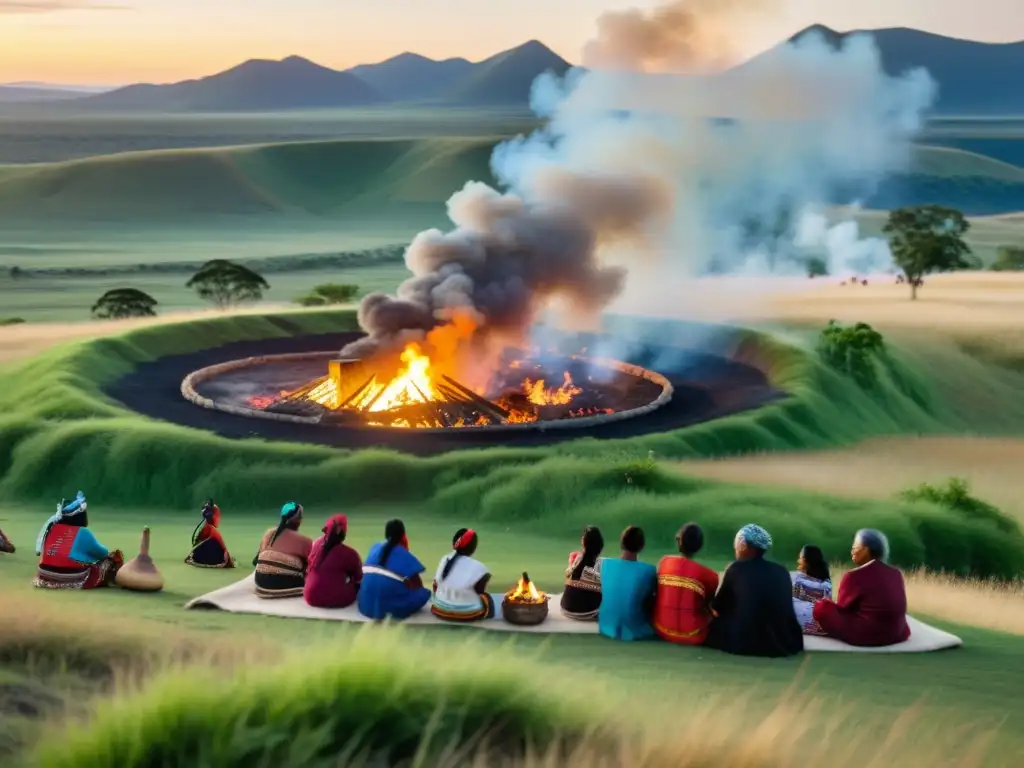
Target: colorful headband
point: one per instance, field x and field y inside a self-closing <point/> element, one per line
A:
<point x="465" y="539"/>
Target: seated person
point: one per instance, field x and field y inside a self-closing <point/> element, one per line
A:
<point x="335" y="569"/>
<point x="754" y="606"/>
<point x="208" y="547"/>
<point x="811" y="583"/>
<point x="460" y="584"/>
<point x="6" y="545"/>
<point x="582" y="596"/>
<point x="392" y="586"/>
<point x="627" y="591"/>
<point x="283" y="556"/>
<point x="70" y="555"/>
<point x="872" y="605"/>
<point x="682" y="610"/>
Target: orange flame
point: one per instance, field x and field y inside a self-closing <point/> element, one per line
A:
<point x="525" y="592"/>
<point x="538" y="395"/>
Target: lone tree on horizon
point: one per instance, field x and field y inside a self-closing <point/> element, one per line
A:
<point x="119" y="303"/>
<point x="224" y="283"/>
<point x="926" y="239"/>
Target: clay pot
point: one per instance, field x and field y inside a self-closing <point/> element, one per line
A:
<point x="140" y="574"/>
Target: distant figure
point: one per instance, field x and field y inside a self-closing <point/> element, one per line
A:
<point x="872" y="607"/>
<point x="811" y="582"/>
<point x="682" y="609"/>
<point x="283" y="556"/>
<point x="581" y="597"/>
<point x="6" y="545"/>
<point x="71" y="557"/>
<point x="460" y="584"/>
<point x="863" y="282"/>
<point x="754" y="607"/>
<point x="335" y="569"/>
<point x="627" y="591"/>
<point x="208" y="547"/>
<point x="392" y="586"/>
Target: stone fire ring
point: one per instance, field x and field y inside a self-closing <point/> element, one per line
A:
<point x="189" y="383"/>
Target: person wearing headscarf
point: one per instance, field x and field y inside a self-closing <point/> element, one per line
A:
<point x="682" y="611"/>
<point x="70" y="556"/>
<point x="628" y="589"/>
<point x="754" y="606"/>
<point x="283" y="556"/>
<point x="581" y="597"/>
<point x="335" y="569"/>
<point x="392" y="586"/>
<point x="460" y="584"/>
<point x="208" y="547"/>
<point x="871" y="609"/>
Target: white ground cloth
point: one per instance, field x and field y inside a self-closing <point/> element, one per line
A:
<point x="240" y="597"/>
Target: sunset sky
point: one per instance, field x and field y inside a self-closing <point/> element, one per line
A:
<point x="122" y="41"/>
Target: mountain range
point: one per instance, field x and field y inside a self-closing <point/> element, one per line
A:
<point x="974" y="78"/>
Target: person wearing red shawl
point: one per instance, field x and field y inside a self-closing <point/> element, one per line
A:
<point x="682" y="610"/>
<point x="70" y="556"/>
<point x="208" y="547"/>
<point x="871" y="609"/>
<point x="335" y="569"/>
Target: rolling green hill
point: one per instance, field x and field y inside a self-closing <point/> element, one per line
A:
<point x="328" y="178"/>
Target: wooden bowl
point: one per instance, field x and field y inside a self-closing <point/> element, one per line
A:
<point x="524" y="614"/>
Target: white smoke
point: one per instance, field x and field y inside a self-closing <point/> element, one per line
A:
<point x="665" y="176"/>
<point x="841" y="247"/>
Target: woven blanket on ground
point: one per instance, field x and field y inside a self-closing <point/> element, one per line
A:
<point x="240" y="597"/>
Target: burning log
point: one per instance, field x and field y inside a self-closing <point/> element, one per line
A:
<point x="483" y="403"/>
<point x="354" y="397"/>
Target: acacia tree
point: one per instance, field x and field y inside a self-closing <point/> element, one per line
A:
<point x="119" y="303"/>
<point x="224" y="283"/>
<point x="926" y="239"/>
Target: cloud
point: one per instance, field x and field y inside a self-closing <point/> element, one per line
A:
<point x="12" y="7"/>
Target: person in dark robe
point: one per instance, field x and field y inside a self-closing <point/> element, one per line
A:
<point x="335" y="569"/>
<point x="753" y="608"/>
<point x="208" y="547"/>
<point x="871" y="609"/>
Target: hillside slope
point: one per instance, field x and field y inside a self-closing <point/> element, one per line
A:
<point x="506" y="78"/>
<point x="328" y="177"/>
<point x="411" y="77"/>
<point x="974" y="78"/>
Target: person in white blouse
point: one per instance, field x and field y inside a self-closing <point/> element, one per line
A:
<point x="460" y="584"/>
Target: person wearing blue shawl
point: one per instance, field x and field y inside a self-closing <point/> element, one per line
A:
<point x="627" y="591"/>
<point x="753" y="609"/>
<point x="70" y="556"/>
<point x="392" y="586"/>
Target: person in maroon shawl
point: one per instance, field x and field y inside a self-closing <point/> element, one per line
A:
<point x="335" y="569"/>
<point x="871" y="610"/>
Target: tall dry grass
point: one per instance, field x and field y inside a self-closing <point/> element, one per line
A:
<point x="991" y="605"/>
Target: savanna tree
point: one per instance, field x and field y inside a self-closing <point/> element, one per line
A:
<point x="926" y="239"/>
<point x="224" y="283"/>
<point x="119" y="303"/>
<point x="852" y="349"/>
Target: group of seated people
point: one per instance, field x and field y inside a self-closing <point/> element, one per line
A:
<point x="758" y="608"/>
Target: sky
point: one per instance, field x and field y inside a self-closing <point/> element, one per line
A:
<point x="113" y="42"/>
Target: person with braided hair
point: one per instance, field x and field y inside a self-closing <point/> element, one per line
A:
<point x="335" y="569"/>
<point x="392" y="584"/>
<point x="283" y="556"/>
<point x="581" y="598"/>
<point x="208" y="547"/>
<point x="460" y="584"/>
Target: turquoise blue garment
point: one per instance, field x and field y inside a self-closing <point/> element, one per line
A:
<point x="382" y="596"/>
<point x="626" y="585"/>
<point x="86" y="549"/>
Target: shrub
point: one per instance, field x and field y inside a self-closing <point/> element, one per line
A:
<point x="852" y="350"/>
<point x="328" y="293"/>
<point x="956" y="495"/>
<point x="816" y="267"/>
<point x="1009" y="258"/>
<point x="310" y="300"/>
<point x="120" y="303"/>
<point x="11" y="321"/>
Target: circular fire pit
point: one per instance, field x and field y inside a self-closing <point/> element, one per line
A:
<point x="525" y="605"/>
<point x="524" y="393"/>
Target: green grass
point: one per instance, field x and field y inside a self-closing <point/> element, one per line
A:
<point x="60" y="433"/>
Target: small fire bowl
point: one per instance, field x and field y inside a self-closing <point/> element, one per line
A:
<point x="524" y="614"/>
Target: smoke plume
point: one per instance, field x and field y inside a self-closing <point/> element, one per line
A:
<point x="643" y="177"/>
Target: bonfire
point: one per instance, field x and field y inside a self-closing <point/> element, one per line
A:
<point x="524" y="604"/>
